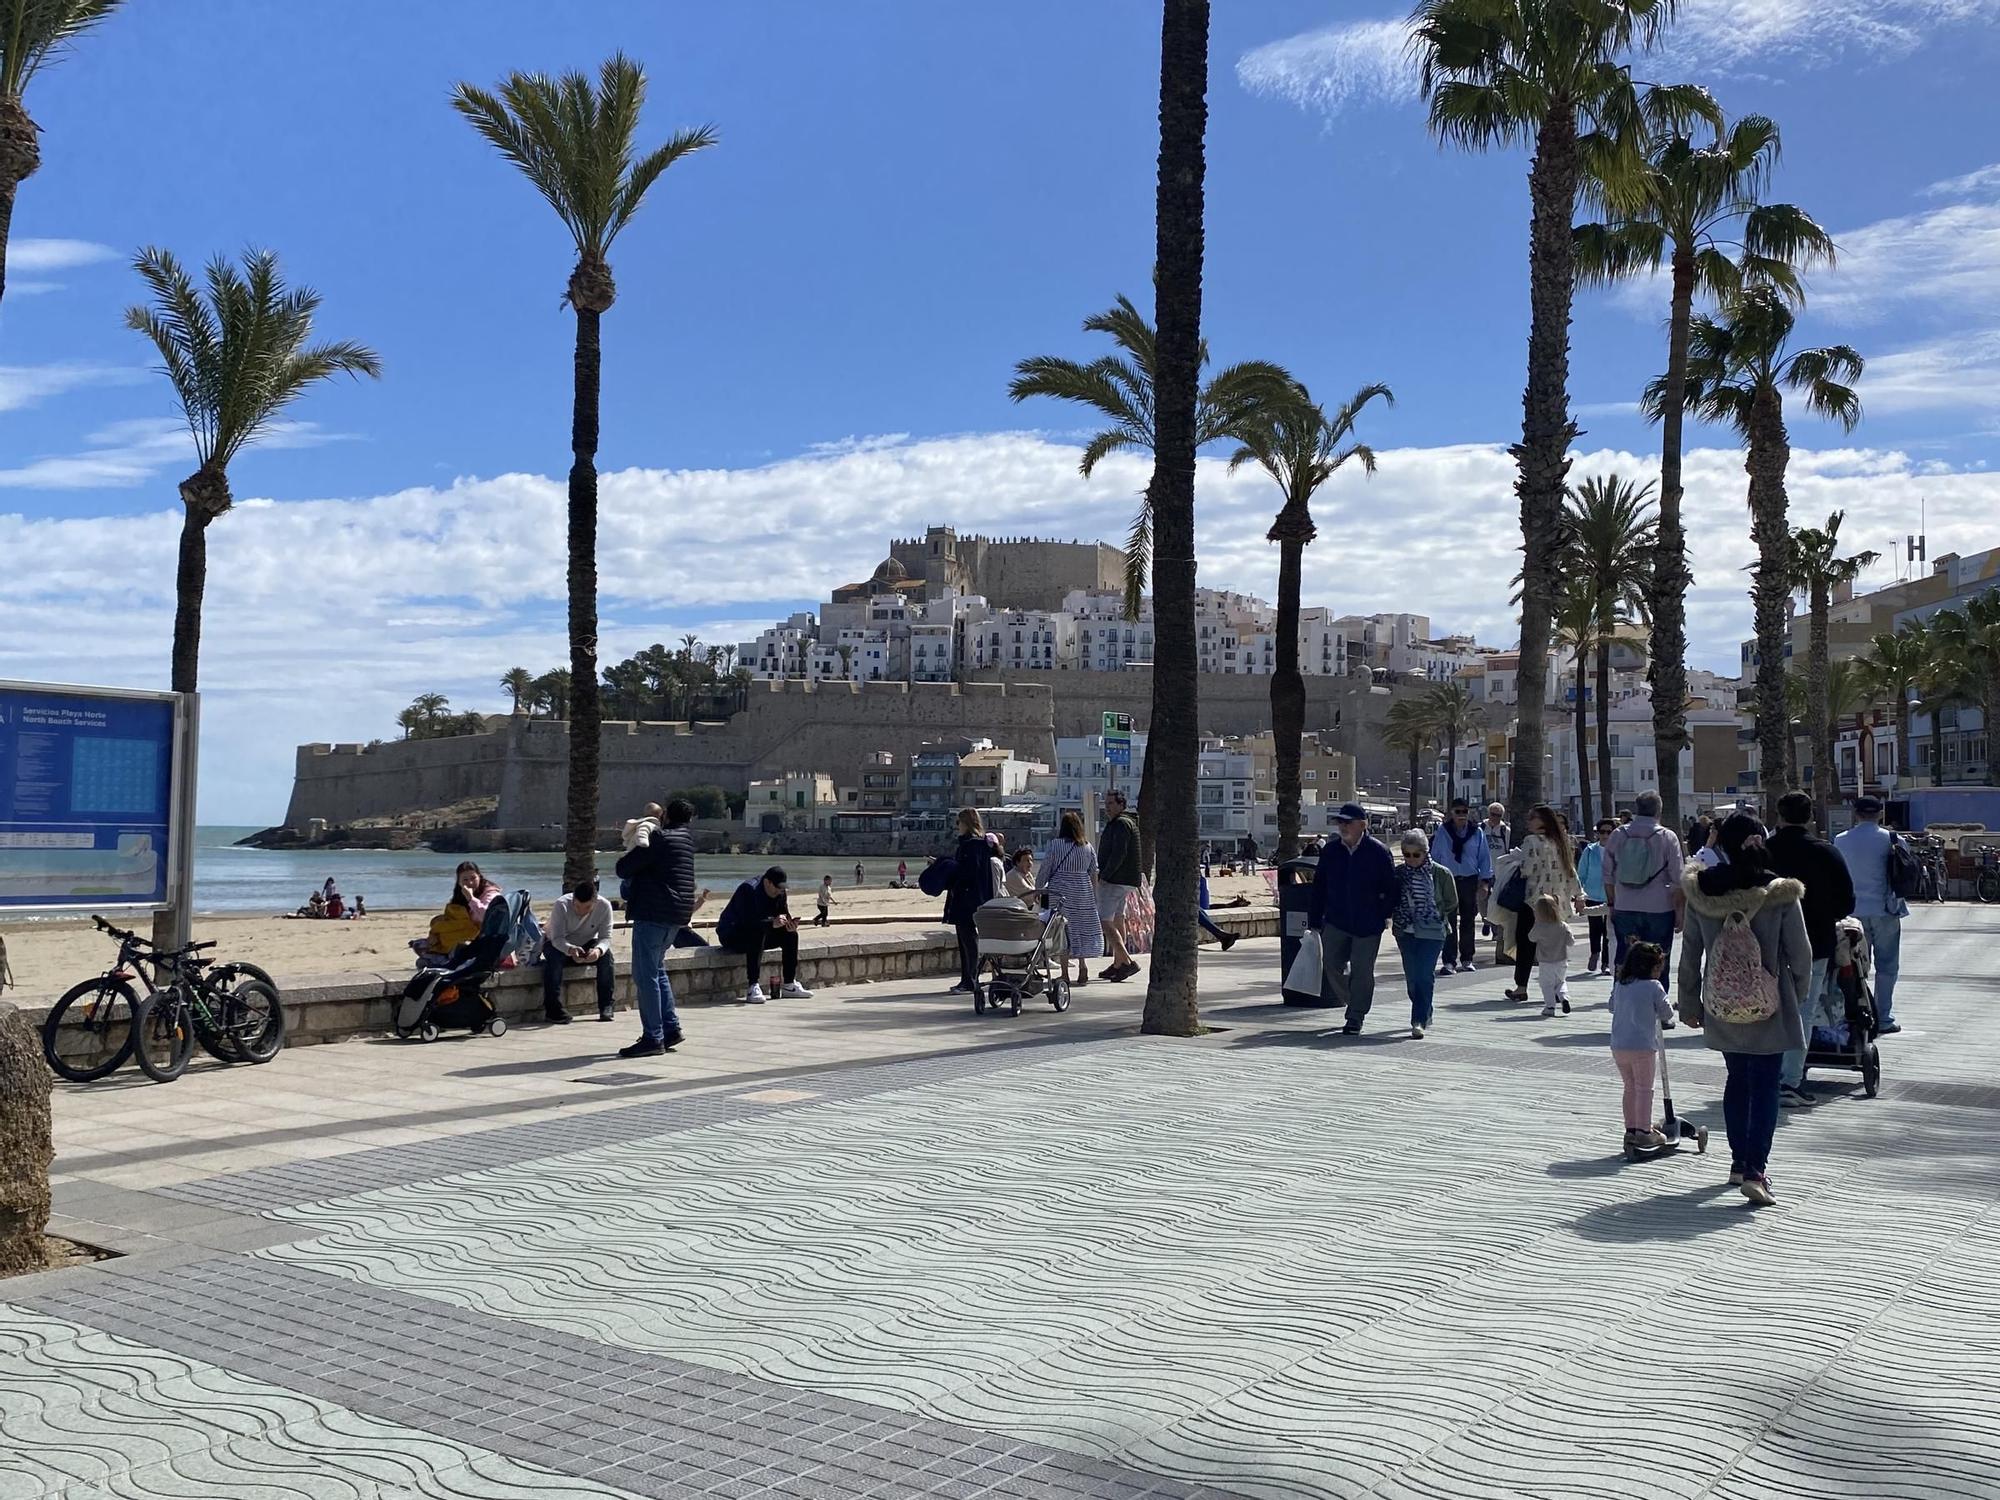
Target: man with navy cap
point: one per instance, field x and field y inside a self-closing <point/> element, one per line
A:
<point x="1353" y="893"/>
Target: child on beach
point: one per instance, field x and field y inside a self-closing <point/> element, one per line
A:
<point x="1638" y="1008"/>
<point x="1552" y="939"/>
<point x="824" y="901"/>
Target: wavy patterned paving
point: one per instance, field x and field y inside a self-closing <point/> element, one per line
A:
<point x="85" y="1415"/>
<point x="1266" y="1273"/>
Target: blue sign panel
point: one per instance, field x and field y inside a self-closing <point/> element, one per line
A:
<point x="86" y="784"/>
<point x="1117" y="751"/>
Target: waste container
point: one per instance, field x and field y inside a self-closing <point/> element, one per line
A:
<point x="1295" y="878"/>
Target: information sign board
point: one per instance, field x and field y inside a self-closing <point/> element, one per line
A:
<point x="1117" y="723"/>
<point x="88" y="791"/>
<point x="1118" y="750"/>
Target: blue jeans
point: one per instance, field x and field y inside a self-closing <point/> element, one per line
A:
<point x="1750" y="1108"/>
<point x="1209" y="927"/>
<point x="1420" y="968"/>
<point x="1810" y="1005"/>
<point x="1644" y="927"/>
<point x="1885" y="944"/>
<point x="650" y="985"/>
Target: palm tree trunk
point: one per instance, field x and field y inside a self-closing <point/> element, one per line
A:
<point x="1903" y="757"/>
<point x="190" y="582"/>
<point x="1288" y="698"/>
<point x="1989" y="715"/>
<point x="1819" y="716"/>
<point x="1582" y="745"/>
<point x="1416" y="770"/>
<point x="1171" y="1003"/>
<point x="1666" y="590"/>
<point x="1770" y="453"/>
<point x="585" y="711"/>
<point x="7" y="189"/>
<point x="1604" y="788"/>
<point x="1450" y="769"/>
<point x="1546" y="431"/>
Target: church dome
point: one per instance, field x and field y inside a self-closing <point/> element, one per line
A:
<point x="891" y="571"/>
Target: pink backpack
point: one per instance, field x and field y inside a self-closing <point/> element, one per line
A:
<point x="1737" y="987"/>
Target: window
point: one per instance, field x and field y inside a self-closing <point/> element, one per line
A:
<point x="1310" y="775"/>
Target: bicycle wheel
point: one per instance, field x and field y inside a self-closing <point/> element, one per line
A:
<point x="1988" y="887"/>
<point x="163" y="1035"/>
<point x="88" y="1032"/>
<point x="254" y="1020"/>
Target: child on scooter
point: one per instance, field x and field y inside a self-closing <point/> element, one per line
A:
<point x="1638" y="1007"/>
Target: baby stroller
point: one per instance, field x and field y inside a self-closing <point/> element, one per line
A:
<point x="455" y="995"/>
<point x="1850" y="1044"/>
<point x="1021" y="945"/>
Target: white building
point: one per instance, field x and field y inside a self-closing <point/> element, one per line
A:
<point x="1024" y="640"/>
<point x="1634" y="768"/>
<point x="1081" y="770"/>
<point x="1223" y="793"/>
<point x="933" y="652"/>
<point x="780" y="651"/>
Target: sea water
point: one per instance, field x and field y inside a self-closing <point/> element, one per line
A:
<point x="230" y="878"/>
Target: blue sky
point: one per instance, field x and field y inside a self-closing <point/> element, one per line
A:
<point x="817" y="318"/>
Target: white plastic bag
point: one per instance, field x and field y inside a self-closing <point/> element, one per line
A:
<point x="1304" y="975"/>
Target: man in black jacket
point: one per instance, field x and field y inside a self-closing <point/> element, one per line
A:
<point x="662" y="899"/>
<point x="1795" y="851"/>
<point x="759" y="917"/>
<point x="1118" y="875"/>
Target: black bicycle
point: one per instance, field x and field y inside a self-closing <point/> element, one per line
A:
<point x="1986" y="881"/>
<point x="232" y="1009"/>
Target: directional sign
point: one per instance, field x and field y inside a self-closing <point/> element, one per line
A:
<point x="87" y="784"/>
<point x="1117" y="723"/>
<point x="1118" y="750"/>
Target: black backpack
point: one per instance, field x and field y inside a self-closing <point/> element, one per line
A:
<point x="1904" y="872"/>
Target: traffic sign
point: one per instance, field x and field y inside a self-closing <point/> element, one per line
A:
<point x="1117" y="723"/>
<point x="1118" y="750"/>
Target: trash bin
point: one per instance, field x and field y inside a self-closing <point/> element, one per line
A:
<point x="1295" y="878"/>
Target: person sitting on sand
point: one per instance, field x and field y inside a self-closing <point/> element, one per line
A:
<point x="360" y="908"/>
<point x="315" y="906"/>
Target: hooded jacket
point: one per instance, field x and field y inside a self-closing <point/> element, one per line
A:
<point x="1829" y="890"/>
<point x="1778" y="920"/>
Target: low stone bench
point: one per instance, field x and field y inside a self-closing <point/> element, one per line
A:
<point x="331" y="1007"/>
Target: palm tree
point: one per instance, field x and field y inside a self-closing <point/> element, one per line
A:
<point x="551" y="693"/>
<point x="1816" y="572"/>
<point x="1576" y="625"/>
<point x="1695" y="207"/>
<point x="1452" y="712"/>
<point x="410" y="722"/>
<point x="517" y="683"/>
<point x="1410" y="726"/>
<point x="1968" y="638"/>
<point x="32" y="34"/>
<point x="1300" y="447"/>
<point x="1121" y="388"/>
<point x="573" y="141"/>
<point x="1173" y="745"/>
<point x="1610" y="531"/>
<point x="1739" y="367"/>
<point x="236" y="358"/>
<point x="1544" y="73"/>
<point x="430" y="709"/>
<point x="1897" y="663"/>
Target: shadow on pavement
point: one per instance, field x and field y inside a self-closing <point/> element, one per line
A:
<point x="1667" y="1216"/>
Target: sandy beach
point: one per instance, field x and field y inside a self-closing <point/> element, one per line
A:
<point x="49" y="957"/>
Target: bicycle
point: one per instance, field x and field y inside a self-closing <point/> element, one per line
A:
<point x="90" y="1030"/>
<point x="1986" y="883"/>
<point x="236" y="1019"/>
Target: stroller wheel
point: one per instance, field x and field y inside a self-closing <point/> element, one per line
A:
<point x="497" y="1026"/>
<point x="1059" y="994"/>
<point x="1871" y="1072"/>
<point x="1014" y="1001"/>
<point x="427" y="1032"/>
<point x="978" y="1003"/>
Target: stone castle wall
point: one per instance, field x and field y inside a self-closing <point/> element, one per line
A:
<point x="787" y="726"/>
<point x="1014" y="573"/>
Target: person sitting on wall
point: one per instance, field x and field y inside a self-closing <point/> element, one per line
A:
<point x="579" y="934"/>
<point x="758" y="918"/>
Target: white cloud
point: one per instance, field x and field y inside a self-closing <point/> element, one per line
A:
<point x="129" y="453"/>
<point x="35" y="257"/>
<point x="1608" y="409"/>
<point x="324" y="617"/>
<point x="28" y="385"/>
<point x="1365" y="62"/>
<point x="1360" y="63"/>
<point x="1983" y="180"/>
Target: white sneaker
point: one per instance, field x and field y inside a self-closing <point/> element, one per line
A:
<point x="756" y="995"/>
<point x="1548" y="1011"/>
<point x="793" y="990"/>
<point x="1416" y="1033"/>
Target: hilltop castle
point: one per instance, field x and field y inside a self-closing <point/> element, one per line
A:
<point x="1021" y="572"/>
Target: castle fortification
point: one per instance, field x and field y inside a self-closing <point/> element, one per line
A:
<point x="521" y="764"/>
<point x="1013" y="572"/>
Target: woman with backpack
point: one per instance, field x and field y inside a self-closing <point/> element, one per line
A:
<point x="1745" y="962"/>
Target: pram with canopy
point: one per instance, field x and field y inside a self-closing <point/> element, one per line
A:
<point x="455" y="995"/>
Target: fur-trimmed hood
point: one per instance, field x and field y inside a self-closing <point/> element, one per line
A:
<point x="1751" y="899"/>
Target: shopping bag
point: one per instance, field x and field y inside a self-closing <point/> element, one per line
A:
<point x="1303" y="977"/>
<point x="1135" y="923"/>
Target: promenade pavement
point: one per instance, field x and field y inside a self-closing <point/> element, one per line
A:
<point x="867" y="1244"/>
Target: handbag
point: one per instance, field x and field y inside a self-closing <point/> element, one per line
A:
<point x="1049" y="875"/>
<point x="1513" y="895"/>
<point x="1135" y="923"/>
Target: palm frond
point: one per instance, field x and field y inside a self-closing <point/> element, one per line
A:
<point x="35" y="33"/>
<point x="1138" y="557"/>
<point x="1616" y="251"/>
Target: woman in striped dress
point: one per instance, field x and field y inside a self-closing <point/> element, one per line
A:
<point x="1069" y="874"/>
